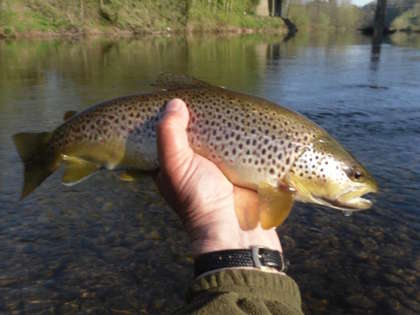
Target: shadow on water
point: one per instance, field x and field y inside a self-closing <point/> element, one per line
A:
<point x="106" y="246"/>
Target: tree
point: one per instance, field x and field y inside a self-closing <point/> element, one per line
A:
<point x="379" y="22"/>
<point x="285" y="10"/>
<point x="378" y="31"/>
<point x="82" y="11"/>
<point x="333" y="12"/>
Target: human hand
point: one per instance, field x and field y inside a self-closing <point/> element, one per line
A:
<point x="204" y="199"/>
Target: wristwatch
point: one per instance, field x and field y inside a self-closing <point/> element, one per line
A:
<point x="256" y="257"/>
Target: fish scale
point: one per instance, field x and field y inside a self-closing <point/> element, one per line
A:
<point x="256" y="143"/>
<point x="225" y="127"/>
<point x="228" y="128"/>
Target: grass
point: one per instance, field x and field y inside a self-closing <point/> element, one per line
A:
<point x="129" y="16"/>
<point x="242" y="16"/>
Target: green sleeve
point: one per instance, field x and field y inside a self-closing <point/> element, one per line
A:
<point x="243" y="291"/>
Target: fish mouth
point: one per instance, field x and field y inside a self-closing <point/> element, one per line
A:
<point x="348" y="201"/>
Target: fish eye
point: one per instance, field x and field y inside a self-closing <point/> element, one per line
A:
<point x="357" y="174"/>
<point x="353" y="173"/>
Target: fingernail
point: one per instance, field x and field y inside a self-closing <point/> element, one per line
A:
<point x="173" y="106"/>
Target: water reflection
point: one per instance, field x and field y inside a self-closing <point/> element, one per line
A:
<point x="405" y="39"/>
<point x="106" y="246"/>
<point x="375" y="56"/>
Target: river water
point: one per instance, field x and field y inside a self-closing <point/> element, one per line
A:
<point x="111" y="247"/>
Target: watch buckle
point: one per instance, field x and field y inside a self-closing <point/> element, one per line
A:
<point x="256" y="258"/>
<point x="255" y="252"/>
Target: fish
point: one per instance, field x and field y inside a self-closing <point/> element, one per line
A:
<point x="257" y="144"/>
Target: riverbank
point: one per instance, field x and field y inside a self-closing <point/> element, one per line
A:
<point x="36" y="18"/>
<point x="409" y="21"/>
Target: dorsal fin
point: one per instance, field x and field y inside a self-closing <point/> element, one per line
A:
<point x="171" y="81"/>
<point x="69" y="114"/>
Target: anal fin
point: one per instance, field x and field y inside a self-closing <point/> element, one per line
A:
<point x="131" y="175"/>
<point x="77" y="170"/>
<point x="274" y="205"/>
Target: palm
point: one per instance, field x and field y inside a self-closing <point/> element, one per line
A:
<point x="215" y="212"/>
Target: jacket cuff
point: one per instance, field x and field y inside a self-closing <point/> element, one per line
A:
<point x="245" y="282"/>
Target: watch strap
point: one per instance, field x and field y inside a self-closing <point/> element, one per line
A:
<point x="255" y="256"/>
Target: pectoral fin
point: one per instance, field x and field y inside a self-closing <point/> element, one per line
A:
<point x="77" y="170"/>
<point x="274" y="205"/>
<point x="246" y="208"/>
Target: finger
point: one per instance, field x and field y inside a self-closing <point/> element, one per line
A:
<point x="172" y="137"/>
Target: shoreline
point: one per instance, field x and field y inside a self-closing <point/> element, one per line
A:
<point x="120" y="33"/>
<point x="185" y="32"/>
<point x="19" y="19"/>
<point x="126" y="33"/>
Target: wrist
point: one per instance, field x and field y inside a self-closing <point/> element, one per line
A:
<point x="253" y="258"/>
<point x="225" y="235"/>
<point x="219" y="229"/>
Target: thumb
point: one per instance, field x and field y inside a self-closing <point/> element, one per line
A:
<point x="172" y="139"/>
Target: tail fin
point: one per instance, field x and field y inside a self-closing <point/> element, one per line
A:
<point x="38" y="165"/>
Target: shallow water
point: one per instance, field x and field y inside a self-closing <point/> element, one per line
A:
<point x="110" y="247"/>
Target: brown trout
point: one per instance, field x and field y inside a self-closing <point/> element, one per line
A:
<point x="257" y="144"/>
